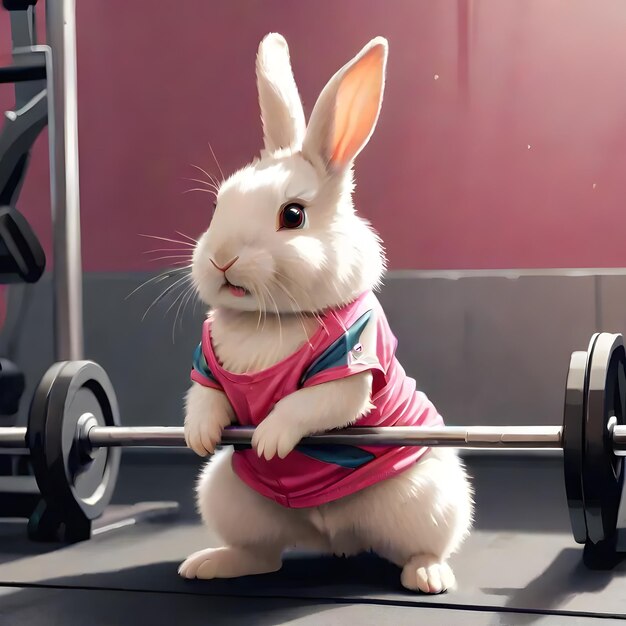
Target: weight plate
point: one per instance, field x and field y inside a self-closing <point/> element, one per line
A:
<point x="604" y="407"/>
<point x="574" y="437"/>
<point x="77" y="485"/>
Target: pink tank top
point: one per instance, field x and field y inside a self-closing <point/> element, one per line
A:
<point x="314" y="475"/>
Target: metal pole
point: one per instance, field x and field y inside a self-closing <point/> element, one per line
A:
<point x="64" y="188"/>
<point x="525" y="437"/>
<point x="492" y="437"/>
<point x="463" y="437"/>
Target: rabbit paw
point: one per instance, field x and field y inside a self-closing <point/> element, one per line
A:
<point x="227" y="563"/>
<point x="428" y="574"/>
<point x="208" y="413"/>
<point x="276" y="436"/>
<point x="203" y="430"/>
<point x="203" y="435"/>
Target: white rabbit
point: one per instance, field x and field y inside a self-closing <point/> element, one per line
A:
<point x="296" y="343"/>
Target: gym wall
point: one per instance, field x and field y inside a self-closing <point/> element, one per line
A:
<point x="492" y="154"/>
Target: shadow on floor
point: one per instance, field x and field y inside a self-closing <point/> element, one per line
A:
<point x="108" y="607"/>
<point x="563" y="579"/>
<point x="303" y="575"/>
<point x="16" y="545"/>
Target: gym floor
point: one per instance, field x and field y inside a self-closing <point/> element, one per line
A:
<point x="520" y="566"/>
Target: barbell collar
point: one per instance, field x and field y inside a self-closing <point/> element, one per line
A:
<point x="13" y="438"/>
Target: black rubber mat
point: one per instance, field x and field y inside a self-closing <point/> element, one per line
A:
<point x="520" y="566"/>
<point x="495" y="571"/>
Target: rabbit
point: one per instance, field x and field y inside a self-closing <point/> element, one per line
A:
<point x="296" y="343"/>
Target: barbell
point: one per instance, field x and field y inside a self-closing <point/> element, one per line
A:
<point x="74" y="438"/>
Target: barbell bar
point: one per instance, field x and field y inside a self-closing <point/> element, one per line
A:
<point x="74" y="437"/>
<point x="491" y="437"/>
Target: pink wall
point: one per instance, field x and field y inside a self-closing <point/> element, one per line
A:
<point x="448" y="178"/>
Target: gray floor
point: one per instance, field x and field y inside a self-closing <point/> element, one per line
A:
<point x="520" y="566"/>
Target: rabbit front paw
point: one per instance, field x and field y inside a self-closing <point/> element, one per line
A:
<point x="276" y="436"/>
<point x="203" y="433"/>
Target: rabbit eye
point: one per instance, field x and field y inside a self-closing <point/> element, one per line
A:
<point x="292" y="216"/>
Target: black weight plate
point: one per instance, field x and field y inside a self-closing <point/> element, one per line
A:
<point x="604" y="407"/>
<point x="76" y="486"/>
<point x="574" y="437"/>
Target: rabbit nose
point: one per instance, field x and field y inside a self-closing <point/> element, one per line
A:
<point x="226" y="267"/>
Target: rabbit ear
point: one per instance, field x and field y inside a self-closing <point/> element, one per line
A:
<point x="281" y="108"/>
<point x="345" y="114"/>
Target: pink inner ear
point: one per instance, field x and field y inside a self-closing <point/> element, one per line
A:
<point x="356" y="106"/>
